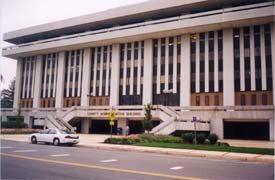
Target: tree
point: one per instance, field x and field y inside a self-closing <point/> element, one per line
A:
<point x="147" y="122"/>
<point x="7" y="95"/>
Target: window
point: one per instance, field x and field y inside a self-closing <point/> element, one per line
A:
<point x="217" y="100"/>
<point x="264" y="99"/>
<point x="197" y="100"/>
<point x="242" y="99"/>
<point x="206" y="100"/>
<point x="253" y="99"/>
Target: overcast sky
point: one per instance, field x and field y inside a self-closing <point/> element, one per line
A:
<point x="17" y="14"/>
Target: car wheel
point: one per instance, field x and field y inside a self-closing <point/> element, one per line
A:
<point x="34" y="140"/>
<point x="56" y="142"/>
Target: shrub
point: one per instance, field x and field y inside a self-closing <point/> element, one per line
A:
<point x="187" y="137"/>
<point x="13" y="124"/>
<point x="213" y="138"/>
<point x="201" y="138"/>
<point x="159" y="138"/>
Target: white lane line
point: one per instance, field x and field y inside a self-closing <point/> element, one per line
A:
<point x="60" y="155"/>
<point x="19" y="151"/>
<point x="108" y="160"/>
<point x="176" y="168"/>
<point x="7" y="147"/>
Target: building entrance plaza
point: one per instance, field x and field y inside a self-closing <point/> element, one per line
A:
<point x="213" y="60"/>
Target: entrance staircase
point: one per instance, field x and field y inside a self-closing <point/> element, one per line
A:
<point x="171" y="119"/>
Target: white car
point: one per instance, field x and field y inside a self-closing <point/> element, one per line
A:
<point x="54" y="136"/>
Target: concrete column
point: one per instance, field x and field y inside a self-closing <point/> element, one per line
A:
<point x="139" y="69"/>
<point x="18" y="84"/>
<point x="60" y="81"/>
<point x="55" y="74"/>
<point x="101" y="71"/>
<point x="228" y="68"/>
<point x="45" y="76"/>
<point x="86" y="77"/>
<point x="37" y="82"/>
<point x="158" y="66"/>
<point x="50" y="76"/>
<point x="107" y="71"/>
<point x="33" y="75"/>
<point x="175" y="73"/>
<point x="122" y="123"/>
<point x="74" y="72"/>
<point x="185" y="92"/>
<point x="148" y="72"/>
<point x="95" y="70"/>
<point x="216" y="62"/>
<point x="198" y="63"/>
<point x="216" y="126"/>
<point x="132" y="70"/>
<point x="85" y="126"/>
<point x="252" y="59"/>
<point x="242" y="71"/>
<point x="263" y="59"/>
<point x="124" y="69"/>
<point x="206" y="65"/>
<point x="80" y="73"/>
<point x="114" y="94"/>
<point x="166" y="85"/>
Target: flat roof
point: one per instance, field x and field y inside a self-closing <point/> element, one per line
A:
<point x="154" y="9"/>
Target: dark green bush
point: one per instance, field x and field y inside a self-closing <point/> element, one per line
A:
<point x="12" y="124"/>
<point x="188" y="137"/>
<point x="213" y="138"/>
<point x="201" y="138"/>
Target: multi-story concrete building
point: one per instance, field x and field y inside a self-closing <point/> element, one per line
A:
<point x="209" y="59"/>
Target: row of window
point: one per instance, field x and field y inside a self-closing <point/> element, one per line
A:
<point x="101" y="63"/>
<point x="28" y="66"/>
<point x="49" y="75"/>
<point x="199" y="40"/>
<point x="249" y="33"/>
<point x="73" y="73"/>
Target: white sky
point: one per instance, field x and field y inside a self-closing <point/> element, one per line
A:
<point x="17" y="14"/>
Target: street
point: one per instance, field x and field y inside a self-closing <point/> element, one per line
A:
<point x="21" y="160"/>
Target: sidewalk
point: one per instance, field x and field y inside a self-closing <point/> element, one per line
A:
<point x="95" y="141"/>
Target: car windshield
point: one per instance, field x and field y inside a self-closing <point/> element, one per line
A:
<point x="65" y="132"/>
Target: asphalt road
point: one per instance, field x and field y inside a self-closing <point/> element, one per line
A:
<point x="20" y="160"/>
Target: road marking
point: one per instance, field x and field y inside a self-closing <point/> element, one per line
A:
<point x="101" y="167"/>
<point x="19" y="151"/>
<point x="7" y="147"/>
<point x="60" y="155"/>
<point x="108" y="160"/>
<point x="176" y="168"/>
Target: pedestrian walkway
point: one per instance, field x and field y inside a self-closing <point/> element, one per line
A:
<point x="96" y="141"/>
<point x="249" y="143"/>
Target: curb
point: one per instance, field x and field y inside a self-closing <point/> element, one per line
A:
<point x="187" y="152"/>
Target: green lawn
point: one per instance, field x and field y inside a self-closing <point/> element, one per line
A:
<point x="210" y="148"/>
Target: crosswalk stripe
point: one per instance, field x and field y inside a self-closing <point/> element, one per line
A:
<point x="108" y="160"/>
<point x="176" y="168"/>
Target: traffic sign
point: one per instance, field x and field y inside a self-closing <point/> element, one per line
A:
<point x="112" y="123"/>
<point x="112" y="115"/>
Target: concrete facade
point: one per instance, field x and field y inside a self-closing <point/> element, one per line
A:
<point x="216" y="65"/>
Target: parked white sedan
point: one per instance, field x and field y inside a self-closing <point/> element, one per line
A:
<point x="54" y="136"/>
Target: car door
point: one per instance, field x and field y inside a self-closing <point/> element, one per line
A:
<point x="50" y="135"/>
<point x="42" y="135"/>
